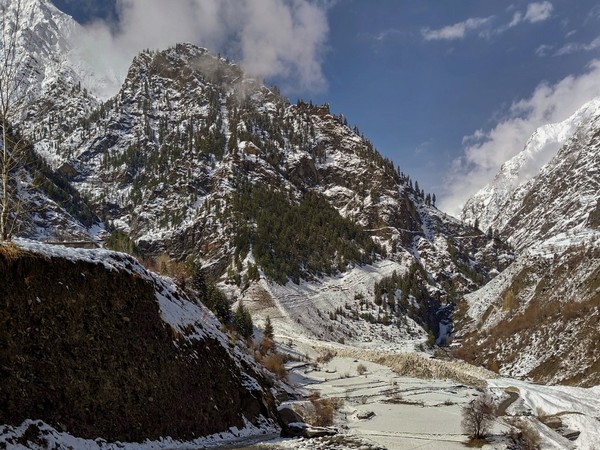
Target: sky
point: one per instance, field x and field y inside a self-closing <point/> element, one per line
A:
<point x="448" y="90"/>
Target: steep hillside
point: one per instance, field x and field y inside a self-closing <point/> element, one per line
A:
<point x="92" y="343"/>
<point x="196" y="160"/>
<point x="539" y="318"/>
<point x="564" y="195"/>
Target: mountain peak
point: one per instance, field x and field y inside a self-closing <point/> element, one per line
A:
<point x="489" y="206"/>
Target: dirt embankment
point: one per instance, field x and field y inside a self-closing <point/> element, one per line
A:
<point x="85" y="349"/>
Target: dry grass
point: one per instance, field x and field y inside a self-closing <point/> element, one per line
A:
<point x="325" y="409"/>
<point x="11" y="251"/>
<point x="274" y="363"/>
<point x="523" y="435"/>
<point x="325" y="356"/>
<point x="509" y="301"/>
<point x="419" y="366"/>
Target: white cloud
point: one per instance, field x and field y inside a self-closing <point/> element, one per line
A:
<point x="574" y="47"/>
<point x="538" y="12"/>
<point x="516" y="20"/>
<point x="270" y="38"/>
<point x="485" y="151"/>
<point x="456" y="31"/>
<point x="387" y="34"/>
<point x="543" y="50"/>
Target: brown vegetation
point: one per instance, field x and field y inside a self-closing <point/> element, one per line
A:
<point x="325" y="409"/>
<point x="566" y="318"/>
<point x="478" y="416"/>
<point x="522" y="435"/>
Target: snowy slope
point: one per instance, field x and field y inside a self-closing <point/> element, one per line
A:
<point x="564" y="195"/>
<point x="48" y="51"/>
<point x="546" y="204"/>
<point x="495" y="204"/>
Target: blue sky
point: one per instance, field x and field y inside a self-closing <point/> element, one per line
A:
<point x="447" y="89"/>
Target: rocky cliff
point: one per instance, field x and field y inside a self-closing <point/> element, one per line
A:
<point x="92" y="343"/>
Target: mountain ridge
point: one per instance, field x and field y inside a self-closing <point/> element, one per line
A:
<point x="489" y="206"/>
<point x="550" y="292"/>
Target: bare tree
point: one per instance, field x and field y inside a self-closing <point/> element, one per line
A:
<point x="478" y="416"/>
<point x="13" y="68"/>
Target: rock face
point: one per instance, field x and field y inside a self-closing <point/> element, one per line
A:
<point x="92" y="343"/>
<point x="294" y="418"/>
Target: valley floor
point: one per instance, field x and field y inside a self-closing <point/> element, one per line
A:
<point x="382" y="410"/>
<point x="403" y="412"/>
<point x="410" y="413"/>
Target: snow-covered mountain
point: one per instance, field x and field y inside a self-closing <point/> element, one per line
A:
<point x="194" y="160"/>
<point x="49" y="52"/>
<point x="495" y="204"/>
<point x="550" y="294"/>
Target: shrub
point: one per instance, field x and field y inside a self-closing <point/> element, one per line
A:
<point x="522" y="435"/>
<point x="266" y="346"/>
<point x="361" y="369"/>
<point x="325" y="408"/>
<point x="274" y="363"/>
<point x="11" y="251"/>
<point x="324" y="358"/>
<point x="477" y="417"/>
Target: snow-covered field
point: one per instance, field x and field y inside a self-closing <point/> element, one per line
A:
<point x="412" y="413"/>
<point x="406" y="413"/>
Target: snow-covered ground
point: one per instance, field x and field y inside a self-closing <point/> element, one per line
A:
<point x="408" y="412"/>
<point x="412" y="413"/>
<point x="46" y="437"/>
<point x="578" y="408"/>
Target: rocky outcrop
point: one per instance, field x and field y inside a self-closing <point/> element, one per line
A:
<point x="294" y="417"/>
<point x="91" y="345"/>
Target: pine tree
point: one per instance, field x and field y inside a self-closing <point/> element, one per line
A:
<point x="242" y="321"/>
<point x="199" y="280"/>
<point x="268" y="330"/>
